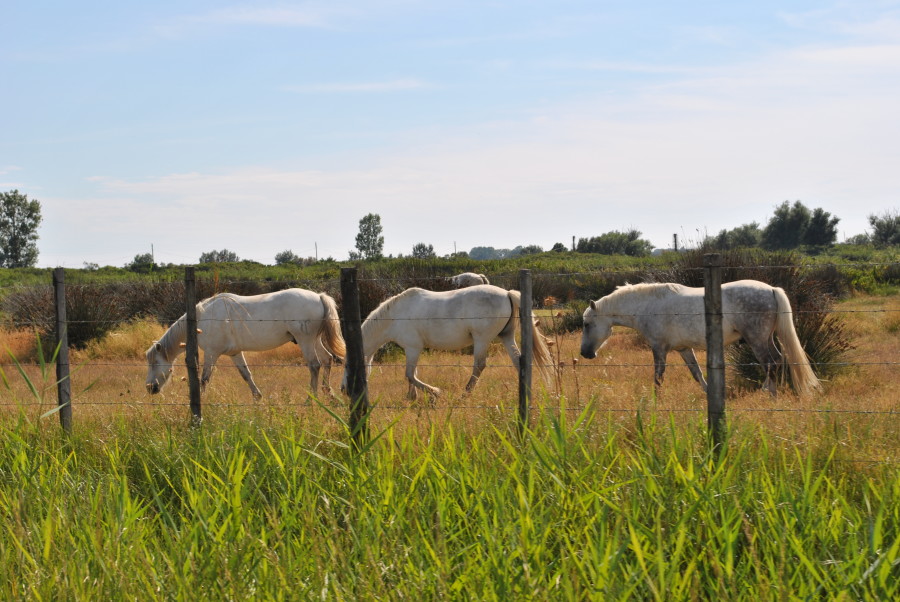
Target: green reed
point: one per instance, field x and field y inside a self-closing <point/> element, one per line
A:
<point x="252" y="506"/>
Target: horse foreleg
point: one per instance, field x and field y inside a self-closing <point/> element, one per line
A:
<point x="480" y="362"/>
<point x="412" y="359"/>
<point x="209" y="364"/>
<point x="241" y="364"/>
<point x="659" y="363"/>
<point x="691" y="360"/>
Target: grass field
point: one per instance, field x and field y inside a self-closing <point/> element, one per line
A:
<point x="611" y="495"/>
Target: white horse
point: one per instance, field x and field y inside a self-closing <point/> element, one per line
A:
<point x="231" y="324"/>
<point x="672" y="317"/>
<point x="450" y="320"/>
<point x="468" y="279"/>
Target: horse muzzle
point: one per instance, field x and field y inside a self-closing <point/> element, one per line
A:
<point x="153" y="388"/>
<point x="588" y="353"/>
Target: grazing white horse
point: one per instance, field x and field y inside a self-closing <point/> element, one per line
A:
<point x="672" y="318"/>
<point x="417" y="319"/>
<point x="468" y="279"/>
<point x="231" y="324"/>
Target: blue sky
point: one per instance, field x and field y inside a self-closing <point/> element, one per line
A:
<point x="265" y="126"/>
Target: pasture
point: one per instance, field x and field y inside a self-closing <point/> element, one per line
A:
<point x="612" y="494"/>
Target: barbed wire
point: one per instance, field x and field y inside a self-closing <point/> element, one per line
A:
<point x="562" y="364"/>
<point x="614" y="269"/>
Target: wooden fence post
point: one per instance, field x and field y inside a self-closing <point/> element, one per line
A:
<point x="192" y="352"/>
<point x="63" y="382"/>
<point x="715" y="353"/>
<point x="527" y="357"/>
<point x="351" y="327"/>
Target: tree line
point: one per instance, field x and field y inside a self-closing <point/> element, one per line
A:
<point x="792" y="226"/>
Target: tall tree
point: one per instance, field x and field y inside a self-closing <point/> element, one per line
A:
<point x="369" y="241"/>
<point x="19" y="221"/>
<point x="786" y="227"/>
<point x="885" y="229"/>
<point x="821" y="229"/>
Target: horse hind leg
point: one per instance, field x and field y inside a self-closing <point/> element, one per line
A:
<point x="240" y="363"/>
<point x="325" y="359"/>
<point x="309" y="349"/>
<point x="479" y="349"/>
<point x="769" y="358"/>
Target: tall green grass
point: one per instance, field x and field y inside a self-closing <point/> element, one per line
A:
<point x="256" y="507"/>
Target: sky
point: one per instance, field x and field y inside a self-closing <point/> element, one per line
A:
<point x="181" y="127"/>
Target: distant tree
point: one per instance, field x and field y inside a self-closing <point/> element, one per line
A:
<point x="786" y="226"/>
<point x="19" y="221"/>
<point x="885" y="229"/>
<point x="792" y="225"/>
<point x="423" y="251"/>
<point x="559" y="248"/>
<point x="90" y="266"/>
<point x="142" y="263"/>
<point x="287" y="257"/>
<point x="460" y="254"/>
<point x="745" y="236"/>
<point x="821" y="230"/>
<point x="223" y="256"/>
<point x="369" y="241"/>
<point x="481" y="253"/>
<point x="859" y="239"/>
<point x="616" y="243"/>
<point x="530" y="249"/>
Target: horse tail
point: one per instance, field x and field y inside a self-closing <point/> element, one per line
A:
<point x="802" y="375"/>
<point x="542" y="355"/>
<point x="331" y="328"/>
<point x="515" y="299"/>
<point x="543" y="358"/>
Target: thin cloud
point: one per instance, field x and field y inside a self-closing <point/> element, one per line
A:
<point x="322" y="16"/>
<point x="396" y="85"/>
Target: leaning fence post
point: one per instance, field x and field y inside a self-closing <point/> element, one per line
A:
<point x="351" y="325"/>
<point x="63" y="382"/>
<point x="715" y="353"/>
<point x="526" y="359"/>
<point x="192" y="353"/>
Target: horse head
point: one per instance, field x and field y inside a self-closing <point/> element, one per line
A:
<point x="596" y="330"/>
<point x="159" y="368"/>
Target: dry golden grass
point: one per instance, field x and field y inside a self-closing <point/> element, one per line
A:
<point x="108" y="384"/>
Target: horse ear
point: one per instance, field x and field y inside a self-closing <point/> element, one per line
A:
<point x="593" y="305"/>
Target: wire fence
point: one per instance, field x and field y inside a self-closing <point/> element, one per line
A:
<point x="580" y="369"/>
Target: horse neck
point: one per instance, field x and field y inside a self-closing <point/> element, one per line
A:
<point x="623" y="309"/>
<point x="374" y="333"/>
<point x="173" y="338"/>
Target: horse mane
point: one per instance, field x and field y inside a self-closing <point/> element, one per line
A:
<point x="385" y="306"/>
<point x="171" y="340"/>
<point x="650" y="289"/>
